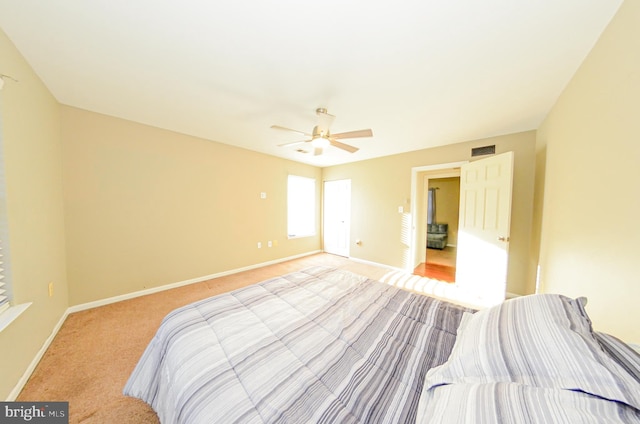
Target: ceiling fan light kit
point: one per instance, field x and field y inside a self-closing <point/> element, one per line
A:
<point x="321" y="138"/>
<point x="320" y="142"/>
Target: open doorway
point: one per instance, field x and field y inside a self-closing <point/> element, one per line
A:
<point x="442" y="209"/>
<point x="420" y="177"/>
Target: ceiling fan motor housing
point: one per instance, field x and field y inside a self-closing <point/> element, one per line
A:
<point x="318" y="133"/>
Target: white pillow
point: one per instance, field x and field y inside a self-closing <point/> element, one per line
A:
<point x="517" y="403"/>
<point x="541" y="340"/>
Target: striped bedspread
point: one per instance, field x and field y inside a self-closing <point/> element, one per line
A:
<point x="317" y="346"/>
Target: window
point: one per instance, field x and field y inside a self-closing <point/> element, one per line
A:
<point x="4" y="292"/>
<point x="8" y="311"/>
<point x="4" y="297"/>
<point x="301" y="206"/>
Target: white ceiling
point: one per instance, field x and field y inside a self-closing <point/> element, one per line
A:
<point x="419" y="73"/>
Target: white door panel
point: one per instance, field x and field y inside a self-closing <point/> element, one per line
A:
<point x="485" y="220"/>
<point x="337" y="214"/>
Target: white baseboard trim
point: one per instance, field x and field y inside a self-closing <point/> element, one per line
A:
<point x="364" y="261"/>
<point x="36" y="359"/>
<point x="84" y="306"/>
<point x="114" y="299"/>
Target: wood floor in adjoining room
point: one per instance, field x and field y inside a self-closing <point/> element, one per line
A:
<point x="440" y="265"/>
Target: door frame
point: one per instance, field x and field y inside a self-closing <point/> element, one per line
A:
<point x="418" y="210"/>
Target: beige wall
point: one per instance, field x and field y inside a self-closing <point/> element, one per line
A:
<point x="146" y="207"/>
<point x="379" y="186"/>
<point x="590" y="223"/>
<point x="32" y="157"/>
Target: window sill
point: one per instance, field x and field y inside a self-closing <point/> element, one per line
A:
<point x="8" y="316"/>
<point x="290" y="236"/>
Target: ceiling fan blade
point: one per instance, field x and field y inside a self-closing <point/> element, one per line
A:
<point x="278" y="127"/>
<point x="353" y="134"/>
<point x="343" y="146"/>
<point x="293" y="143"/>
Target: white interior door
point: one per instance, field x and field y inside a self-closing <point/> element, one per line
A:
<point x="483" y="233"/>
<point x="337" y="214"/>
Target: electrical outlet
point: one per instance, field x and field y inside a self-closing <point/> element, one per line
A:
<point x="259" y="245"/>
<point x="51" y="289"/>
<point x="269" y="243"/>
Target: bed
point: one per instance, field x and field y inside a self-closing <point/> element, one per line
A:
<point x="325" y="345"/>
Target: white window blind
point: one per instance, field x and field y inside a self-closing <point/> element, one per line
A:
<point x="4" y="299"/>
<point x="5" y="292"/>
<point x="301" y="206"/>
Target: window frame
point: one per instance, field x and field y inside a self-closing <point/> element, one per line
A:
<point x="9" y="311"/>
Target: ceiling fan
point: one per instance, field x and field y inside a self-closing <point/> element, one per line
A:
<point x="320" y="137"/>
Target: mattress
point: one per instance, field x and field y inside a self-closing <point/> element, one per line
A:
<point x="320" y="345"/>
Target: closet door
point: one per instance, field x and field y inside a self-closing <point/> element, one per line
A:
<point x="337" y="217"/>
